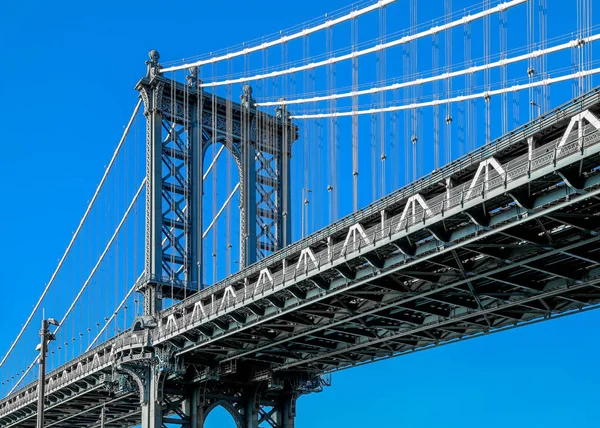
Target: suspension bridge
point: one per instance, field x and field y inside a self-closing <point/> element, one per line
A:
<point x="237" y="251"/>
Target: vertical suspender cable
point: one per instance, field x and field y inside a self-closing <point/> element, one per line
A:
<point x="75" y="234"/>
<point x="544" y="58"/>
<point x="332" y="187"/>
<point x="516" y="109"/>
<point x="448" y="55"/>
<point x="488" y="100"/>
<point x="395" y="139"/>
<point x="588" y="33"/>
<point x="435" y="57"/>
<point x="503" y="70"/>
<point x="316" y="185"/>
<point x="414" y="69"/>
<point x="580" y="51"/>
<point x="407" y="114"/>
<point x="462" y="107"/>
<point x="382" y="100"/>
<point x="229" y="144"/>
<point x="530" y="48"/>
<point x="473" y="129"/>
<point x="214" y="180"/>
<point x="354" y="36"/>
<point x="468" y="106"/>
<point x="373" y="151"/>
<point x="307" y="129"/>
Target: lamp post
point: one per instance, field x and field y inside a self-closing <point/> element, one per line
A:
<point x="45" y="337"/>
<point x="305" y="202"/>
<point x="539" y="107"/>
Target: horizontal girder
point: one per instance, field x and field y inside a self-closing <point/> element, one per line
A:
<point x="420" y="268"/>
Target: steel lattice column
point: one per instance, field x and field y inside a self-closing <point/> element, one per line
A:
<point x="179" y="129"/>
<point x="250" y="406"/>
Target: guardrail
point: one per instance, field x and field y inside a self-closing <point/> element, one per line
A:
<point x="307" y="263"/>
<point x="87" y="364"/>
<point x="563" y="112"/>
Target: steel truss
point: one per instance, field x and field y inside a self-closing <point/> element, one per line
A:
<point x="182" y="122"/>
<point x="429" y="265"/>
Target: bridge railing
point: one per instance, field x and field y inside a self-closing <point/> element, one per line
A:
<point x="520" y="134"/>
<point x="307" y="262"/>
<point x="103" y="355"/>
<point x="520" y="167"/>
<point x="90" y="362"/>
<point x="517" y="168"/>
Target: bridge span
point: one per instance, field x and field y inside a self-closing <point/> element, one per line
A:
<point x="503" y="237"/>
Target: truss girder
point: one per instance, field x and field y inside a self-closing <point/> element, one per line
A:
<point x="466" y="266"/>
<point x="182" y="122"/>
<point x="475" y="294"/>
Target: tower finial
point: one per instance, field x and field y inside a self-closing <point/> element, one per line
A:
<point x="192" y="78"/>
<point x="152" y="64"/>
<point x="247" y="99"/>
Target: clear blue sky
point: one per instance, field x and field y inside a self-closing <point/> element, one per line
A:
<point x="66" y="85"/>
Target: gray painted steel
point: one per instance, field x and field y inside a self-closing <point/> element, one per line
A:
<point x="480" y="246"/>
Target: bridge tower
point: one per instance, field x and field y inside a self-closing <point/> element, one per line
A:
<point x="182" y="122"/>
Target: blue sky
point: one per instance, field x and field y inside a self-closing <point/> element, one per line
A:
<point x="66" y="83"/>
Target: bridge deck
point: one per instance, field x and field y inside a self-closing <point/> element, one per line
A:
<point x="513" y="243"/>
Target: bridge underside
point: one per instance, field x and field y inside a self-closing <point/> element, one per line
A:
<point x="527" y="252"/>
<point x="543" y="263"/>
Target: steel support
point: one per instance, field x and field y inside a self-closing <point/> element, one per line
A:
<point x="248" y="200"/>
<point x="197" y="186"/>
<point x="152" y="405"/>
<point x="42" y="374"/>
<point x="45" y="337"/>
<point x="250" y="406"/>
<point x="179" y="129"/>
<point x="152" y="96"/>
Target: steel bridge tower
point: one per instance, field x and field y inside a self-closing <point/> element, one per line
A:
<point x="182" y="122"/>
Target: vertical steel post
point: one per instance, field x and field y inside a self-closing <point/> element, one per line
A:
<point x="42" y="373"/>
<point x="196" y="171"/>
<point x="151" y="89"/>
<point x="285" y="185"/>
<point x="288" y="412"/>
<point x="152" y="405"/>
<point x="249" y="181"/>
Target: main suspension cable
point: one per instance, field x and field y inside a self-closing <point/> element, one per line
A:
<point x="75" y="235"/>
<point x="114" y="314"/>
<point x="464" y="72"/>
<point x="88" y="280"/>
<point x="461" y="98"/>
<point x="284" y="39"/>
<point x="101" y="258"/>
<point x="403" y="40"/>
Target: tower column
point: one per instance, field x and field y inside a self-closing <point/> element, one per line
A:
<point x="149" y="381"/>
<point x="196" y="170"/>
<point x="288" y="134"/>
<point x="152" y="405"/>
<point x="151" y="93"/>
<point x="250" y="405"/>
<point x="248" y="199"/>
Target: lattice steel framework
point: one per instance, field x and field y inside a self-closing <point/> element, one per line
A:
<point x="182" y="121"/>
<point x="511" y="239"/>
